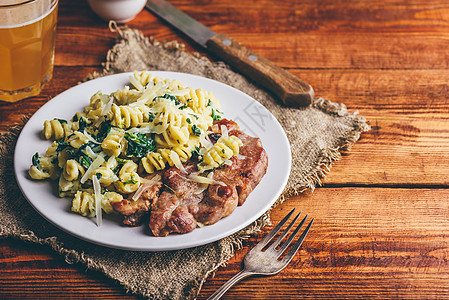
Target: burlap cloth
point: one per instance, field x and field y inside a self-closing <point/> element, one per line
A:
<point x="317" y="135"/>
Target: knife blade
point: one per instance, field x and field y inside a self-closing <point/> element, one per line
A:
<point x="288" y="88"/>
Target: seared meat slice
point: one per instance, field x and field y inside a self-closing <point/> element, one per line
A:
<point x="248" y="167"/>
<point x="219" y="202"/>
<point x="134" y="210"/>
<point x="172" y="211"/>
<point x="240" y="179"/>
<point x="230" y="125"/>
<point x="170" y="215"/>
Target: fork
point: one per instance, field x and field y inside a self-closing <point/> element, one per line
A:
<point x="266" y="262"/>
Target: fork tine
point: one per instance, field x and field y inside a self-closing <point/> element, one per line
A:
<point x="281" y="236"/>
<point x="298" y="244"/>
<point x="275" y="230"/>
<point x="292" y="236"/>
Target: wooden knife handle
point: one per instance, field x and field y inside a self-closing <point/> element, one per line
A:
<point x="291" y="90"/>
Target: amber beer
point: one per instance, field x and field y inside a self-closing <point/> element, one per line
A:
<point x="27" y="43"/>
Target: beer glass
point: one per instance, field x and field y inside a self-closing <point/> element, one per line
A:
<point x="27" y="47"/>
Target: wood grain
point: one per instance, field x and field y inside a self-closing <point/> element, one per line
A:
<point x="290" y="90"/>
<point x="382" y="214"/>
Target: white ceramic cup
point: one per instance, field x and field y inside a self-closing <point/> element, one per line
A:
<point x="121" y="11"/>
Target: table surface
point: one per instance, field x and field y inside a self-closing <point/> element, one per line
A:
<point x="382" y="228"/>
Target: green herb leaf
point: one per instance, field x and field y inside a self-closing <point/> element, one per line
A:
<point x="139" y="144"/>
<point x="61" y="120"/>
<point x="215" y="116"/>
<point x="80" y="156"/>
<point x="151" y="116"/>
<point x="196" y="130"/>
<point x="82" y="124"/>
<point x="130" y="181"/>
<point x="84" y="159"/>
<point x="104" y="131"/>
<point x="196" y="151"/>
<point x="35" y="160"/>
<point x="120" y="160"/>
<point x="170" y="97"/>
<point x="99" y="175"/>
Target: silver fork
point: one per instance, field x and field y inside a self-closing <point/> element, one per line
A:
<point x="258" y="262"/>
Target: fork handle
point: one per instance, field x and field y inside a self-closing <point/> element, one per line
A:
<point x="237" y="277"/>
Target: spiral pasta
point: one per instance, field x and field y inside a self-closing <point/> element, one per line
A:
<point x="72" y="170"/>
<point x="84" y="202"/>
<point x="114" y="143"/>
<point x="77" y="139"/>
<point x="124" y="116"/>
<point x="224" y="148"/>
<point x="129" y="179"/>
<point x="56" y="129"/>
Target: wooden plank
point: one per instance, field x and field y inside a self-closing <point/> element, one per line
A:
<point x="38" y="273"/>
<point x="345" y="50"/>
<point x="360" y="36"/>
<point x="365" y="243"/>
<point x="401" y="149"/>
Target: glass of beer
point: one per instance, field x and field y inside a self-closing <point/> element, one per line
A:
<point x="27" y="47"/>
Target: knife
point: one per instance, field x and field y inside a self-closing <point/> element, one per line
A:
<point x="291" y="90"/>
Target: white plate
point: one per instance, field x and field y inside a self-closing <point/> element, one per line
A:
<point x="252" y="118"/>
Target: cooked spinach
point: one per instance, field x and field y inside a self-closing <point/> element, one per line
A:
<point x="139" y="144"/>
<point x="80" y="156"/>
<point x="62" y="121"/>
<point x="104" y="130"/>
<point x="35" y="160"/>
<point x="62" y="145"/>
<point x="82" y="124"/>
<point x="196" y="130"/>
<point x="215" y="116"/>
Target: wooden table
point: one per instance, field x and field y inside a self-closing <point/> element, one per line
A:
<point x="382" y="228"/>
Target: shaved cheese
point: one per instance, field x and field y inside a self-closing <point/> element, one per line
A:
<point x="156" y="178"/>
<point x="97" y="195"/>
<point x="135" y="82"/>
<point x="177" y="162"/>
<point x="205" y="141"/>
<point x="95" y="164"/>
<point x="227" y="162"/>
<point x="201" y="188"/>
<point x="239" y="156"/>
<point x="106" y="109"/>
<point x="206" y="180"/>
<point x="146" y="183"/>
<point x="90" y="138"/>
<point x="179" y="93"/>
<point x="89" y="152"/>
<point x="144" y="128"/>
<point x="224" y="131"/>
